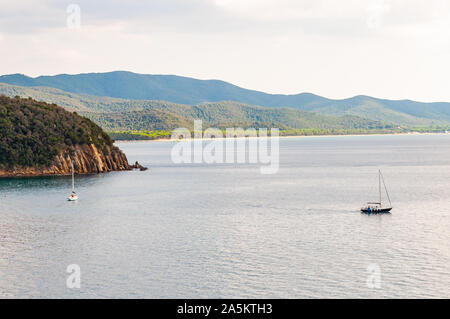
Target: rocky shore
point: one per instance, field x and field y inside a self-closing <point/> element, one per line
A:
<point x="86" y="159"/>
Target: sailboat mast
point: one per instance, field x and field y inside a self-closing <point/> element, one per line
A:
<point x="379" y="185"/>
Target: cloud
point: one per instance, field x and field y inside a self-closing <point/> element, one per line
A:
<point x="338" y="48"/>
<point x="343" y="17"/>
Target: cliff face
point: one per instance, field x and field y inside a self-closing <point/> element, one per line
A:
<point x="87" y="159"/>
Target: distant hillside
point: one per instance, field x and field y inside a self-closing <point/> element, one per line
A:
<point x="119" y="114"/>
<point x="182" y="90"/>
<point x="176" y="89"/>
<point x="405" y="112"/>
<point x="38" y="138"/>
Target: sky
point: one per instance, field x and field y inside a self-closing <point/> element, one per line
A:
<point x="396" y="49"/>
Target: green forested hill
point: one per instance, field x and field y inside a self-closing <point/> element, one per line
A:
<point x="177" y="89"/>
<point x="142" y="115"/>
<point x="33" y="133"/>
<point x="405" y="112"/>
<point x="223" y="115"/>
<point x="183" y="90"/>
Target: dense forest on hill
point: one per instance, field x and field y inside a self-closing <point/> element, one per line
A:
<point x="226" y="114"/>
<point x="33" y="133"/>
<point x="149" y="119"/>
<point x="114" y="114"/>
<point x="189" y="91"/>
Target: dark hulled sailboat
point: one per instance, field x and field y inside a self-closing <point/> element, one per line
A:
<point x="377" y="207"/>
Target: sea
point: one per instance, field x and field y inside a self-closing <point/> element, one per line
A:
<point x="199" y="230"/>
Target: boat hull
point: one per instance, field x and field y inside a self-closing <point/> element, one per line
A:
<point x="376" y="211"/>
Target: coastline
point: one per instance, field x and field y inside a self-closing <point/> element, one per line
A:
<point x="289" y="136"/>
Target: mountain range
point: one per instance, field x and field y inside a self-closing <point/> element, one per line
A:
<point x="120" y="100"/>
<point x="171" y="88"/>
<point x="115" y="114"/>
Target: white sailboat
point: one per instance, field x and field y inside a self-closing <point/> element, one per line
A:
<point x="73" y="197"/>
<point x="377" y="208"/>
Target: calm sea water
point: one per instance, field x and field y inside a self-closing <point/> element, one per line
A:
<point x="226" y="231"/>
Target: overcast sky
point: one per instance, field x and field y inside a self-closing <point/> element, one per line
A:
<point x="336" y="48"/>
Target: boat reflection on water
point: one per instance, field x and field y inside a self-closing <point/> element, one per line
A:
<point x="73" y="197"/>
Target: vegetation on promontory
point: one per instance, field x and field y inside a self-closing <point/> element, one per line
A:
<point x="35" y="134"/>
